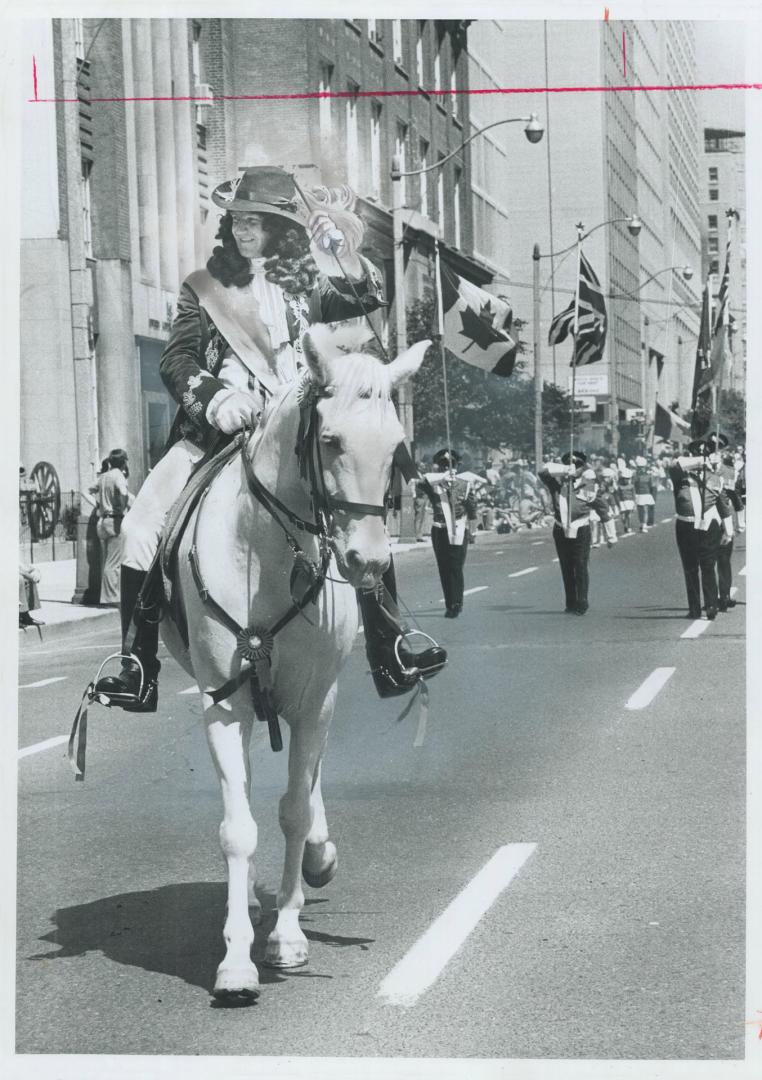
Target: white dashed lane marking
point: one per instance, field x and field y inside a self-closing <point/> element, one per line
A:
<point x="645" y="693"/>
<point x="191" y="690"/>
<point x="470" y="592"/>
<point x="425" y="961"/>
<point x="665" y="521"/>
<point x="35" y="748"/>
<point x="536" y="543"/>
<point x="520" y="573"/>
<point x="695" y="629"/>
<point x="43" y="682"/>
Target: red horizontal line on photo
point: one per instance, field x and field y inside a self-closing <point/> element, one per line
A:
<point x="411" y="93"/>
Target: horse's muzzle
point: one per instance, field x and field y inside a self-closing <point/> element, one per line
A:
<point x="360" y="571"/>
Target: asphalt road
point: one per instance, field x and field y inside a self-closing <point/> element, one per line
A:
<point x="619" y="932"/>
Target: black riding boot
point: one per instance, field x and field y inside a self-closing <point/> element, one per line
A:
<point x="394" y="667"/>
<point x="125" y="689"/>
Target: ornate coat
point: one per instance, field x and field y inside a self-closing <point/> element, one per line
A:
<point x="194" y="354"/>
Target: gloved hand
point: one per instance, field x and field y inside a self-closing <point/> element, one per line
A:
<point x="229" y="410"/>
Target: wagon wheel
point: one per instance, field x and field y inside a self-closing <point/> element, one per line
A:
<point x="45" y="503"/>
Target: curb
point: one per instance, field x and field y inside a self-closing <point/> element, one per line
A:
<point x="89" y="624"/>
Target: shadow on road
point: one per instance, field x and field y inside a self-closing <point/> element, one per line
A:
<point x="173" y="930"/>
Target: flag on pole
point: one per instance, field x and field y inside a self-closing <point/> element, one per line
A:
<point x="721" y="330"/>
<point x="668" y="425"/>
<point x="477" y="325"/>
<point x="592" y="321"/>
<point x="659" y="358"/>
<point x="701" y="400"/>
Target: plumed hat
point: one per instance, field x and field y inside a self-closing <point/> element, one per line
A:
<point x="579" y="458"/>
<point x="262" y="189"/>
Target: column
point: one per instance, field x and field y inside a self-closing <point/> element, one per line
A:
<point x="145" y="140"/>
<point x="165" y="153"/>
<point x="184" y="120"/>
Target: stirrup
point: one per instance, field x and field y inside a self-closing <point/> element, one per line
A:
<point x="120" y="699"/>
<point x="409" y="672"/>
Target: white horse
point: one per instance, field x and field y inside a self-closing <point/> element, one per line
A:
<point x="246" y="565"/>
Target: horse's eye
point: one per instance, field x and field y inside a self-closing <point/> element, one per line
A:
<point x="365" y="394"/>
<point x="330" y="440"/>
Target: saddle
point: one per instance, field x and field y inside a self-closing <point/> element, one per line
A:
<point x="160" y="588"/>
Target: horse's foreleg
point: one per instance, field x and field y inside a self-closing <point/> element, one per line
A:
<point x="287" y="945"/>
<point x="320" y="861"/>
<point x="228" y="738"/>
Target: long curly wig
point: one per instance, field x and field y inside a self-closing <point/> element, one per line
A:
<point x="289" y="262"/>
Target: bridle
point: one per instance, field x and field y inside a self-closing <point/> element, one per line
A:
<point x="255" y="643"/>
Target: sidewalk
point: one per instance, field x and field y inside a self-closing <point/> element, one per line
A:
<point x="58" y="613"/>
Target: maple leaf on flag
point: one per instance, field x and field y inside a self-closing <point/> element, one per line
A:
<point x="478" y="328"/>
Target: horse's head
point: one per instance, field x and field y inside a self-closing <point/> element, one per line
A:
<point x="356" y="434"/>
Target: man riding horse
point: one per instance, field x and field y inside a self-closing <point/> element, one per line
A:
<point x="236" y="337"/>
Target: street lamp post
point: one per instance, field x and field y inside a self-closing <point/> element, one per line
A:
<point x="533" y="131"/>
<point x="634" y="225"/>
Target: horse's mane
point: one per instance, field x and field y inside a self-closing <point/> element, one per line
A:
<point x="358" y="375"/>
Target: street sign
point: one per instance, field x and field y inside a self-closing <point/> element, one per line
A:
<point x="590" y="383"/>
<point x="585" y="404"/>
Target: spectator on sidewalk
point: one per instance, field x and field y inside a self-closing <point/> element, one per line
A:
<point x="112" y="501"/>
<point x="29" y="597"/>
<point x="643" y="483"/>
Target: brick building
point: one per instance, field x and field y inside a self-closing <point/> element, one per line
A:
<point x="120" y="210"/>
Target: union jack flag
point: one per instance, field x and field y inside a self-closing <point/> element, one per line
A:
<point x="592" y="321"/>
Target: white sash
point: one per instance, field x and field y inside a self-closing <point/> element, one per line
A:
<point x="235" y="313"/>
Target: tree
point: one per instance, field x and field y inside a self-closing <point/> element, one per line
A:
<point x="733" y="416"/>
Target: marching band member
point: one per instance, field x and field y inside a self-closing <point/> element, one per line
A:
<point x="626" y="496"/>
<point x="703" y="524"/>
<point x="643" y="484"/>
<point x="453" y="502"/>
<point x="573" y="492"/>
<point x="235" y="338"/>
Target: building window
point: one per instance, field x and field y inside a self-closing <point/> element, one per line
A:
<point x="79" y="39"/>
<point x="400" y="140"/>
<point x="438" y="66"/>
<point x="440" y="198"/>
<point x="375" y="148"/>
<point x="714" y="194"/>
<point x="87" y="225"/>
<point x="714" y="243"/>
<point x="397" y="40"/>
<point x="353" y="155"/>
<point x="196" y="53"/>
<point x="424" y="155"/>
<point x="325" y="103"/>
<point x="456" y="207"/>
<point x="374" y="31"/>
<point x="713" y="174"/>
<point x="419" y="72"/>
<point x="454" y="91"/>
<point x="712" y="221"/>
<point x="714" y="266"/>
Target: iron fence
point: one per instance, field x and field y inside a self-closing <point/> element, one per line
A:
<point x="62" y="541"/>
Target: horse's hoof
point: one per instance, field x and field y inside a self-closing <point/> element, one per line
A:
<point x="280" y="955"/>
<point x="240" y="984"/>
<point x="317" y="879"/>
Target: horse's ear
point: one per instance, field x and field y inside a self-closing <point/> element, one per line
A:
<point x="313" y="359"/>
<point x="407" y="364"/>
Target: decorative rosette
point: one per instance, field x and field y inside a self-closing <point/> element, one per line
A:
<point x="254" y="643"/>
<point x="307" y="393"/>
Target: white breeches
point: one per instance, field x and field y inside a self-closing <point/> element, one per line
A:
<point x="141" y="528"/>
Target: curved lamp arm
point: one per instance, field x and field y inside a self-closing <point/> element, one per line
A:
<point x="686" y="271"/>
<point x="634" y="225"/>
<point x="533" y="131"/>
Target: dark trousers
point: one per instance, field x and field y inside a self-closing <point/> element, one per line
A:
<point x="574" y="559"/>
<point x="725" y="570"/>
<point x="451" y="559"/>
<point x="698" y="553"/>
